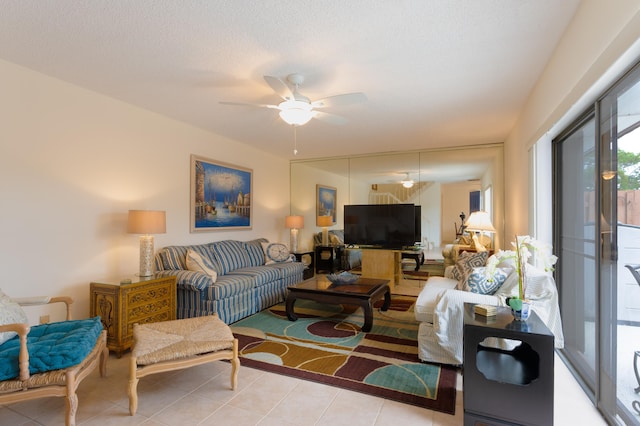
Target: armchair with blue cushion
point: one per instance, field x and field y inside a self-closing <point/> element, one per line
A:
<point x="48" y="359"/>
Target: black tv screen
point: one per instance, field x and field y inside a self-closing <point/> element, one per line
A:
<point x="390" y="226"/>
<point x="418" y="225"/>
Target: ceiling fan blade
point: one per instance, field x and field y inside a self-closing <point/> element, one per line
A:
<point x="250" y="105"/>
<point x="330" y="118"/>
<point x="279" y="86"/>
<point x="344" y="99"/>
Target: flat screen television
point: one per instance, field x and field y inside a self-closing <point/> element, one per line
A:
<point x="418" y="225"/>
<point x="389" y="226"/>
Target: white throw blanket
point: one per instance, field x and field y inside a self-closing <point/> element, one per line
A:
<point x="441" y="341"/>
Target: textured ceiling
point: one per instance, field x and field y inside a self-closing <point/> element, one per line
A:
<point x="436" y="73"/>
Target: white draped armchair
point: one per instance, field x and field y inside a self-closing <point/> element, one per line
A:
<point x="440" y="307"/>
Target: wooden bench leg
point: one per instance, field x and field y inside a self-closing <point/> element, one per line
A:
<point x="72" y="408"/>
<point x="104" y="356"/>
<point x="133" y="386"/>
<point x="235" y="365"/>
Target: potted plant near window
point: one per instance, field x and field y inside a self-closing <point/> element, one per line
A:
<point x="525" y="246"/>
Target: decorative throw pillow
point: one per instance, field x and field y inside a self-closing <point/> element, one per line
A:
<point x="255" y="252"/>
<point x="10" y="313"/>
<point x="465" y="264"/>
<point x="195" y="262"/>
<point x="478" y="282"/>
<point x="276" y="253"/>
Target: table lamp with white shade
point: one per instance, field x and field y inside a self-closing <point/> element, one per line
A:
<point x="479" y="222"/>
<point x="146" y="222"/>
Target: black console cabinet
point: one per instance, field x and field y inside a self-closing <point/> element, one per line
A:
<point x="306" y="257"/>
<point x="507" y="387"/>
<point x="329" y="259"/>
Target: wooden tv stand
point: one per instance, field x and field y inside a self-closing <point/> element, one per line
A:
<point x="383" y="264"/>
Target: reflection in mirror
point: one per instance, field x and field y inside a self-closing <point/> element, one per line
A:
<point x="440" y="181"/>
<point x="305" y="176"/>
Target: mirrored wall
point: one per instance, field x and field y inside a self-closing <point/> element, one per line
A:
<point x="440" y="181"/>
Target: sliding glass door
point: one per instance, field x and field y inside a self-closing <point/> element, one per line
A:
<point x="576" y="244"/>
<point x="597" y="234"/>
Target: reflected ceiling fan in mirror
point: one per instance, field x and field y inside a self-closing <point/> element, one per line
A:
<point x="297" y="109"/>
<point x="407" y="182"/>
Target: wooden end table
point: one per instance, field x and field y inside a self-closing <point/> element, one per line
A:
<point x="122" y="303"/>
<point x="362" y="293"/>
<point x="417" y="255"/>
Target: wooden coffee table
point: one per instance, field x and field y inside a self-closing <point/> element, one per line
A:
<point x="362" y="293"/>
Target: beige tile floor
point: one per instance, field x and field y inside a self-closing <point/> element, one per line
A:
<point x="202" y="396"/>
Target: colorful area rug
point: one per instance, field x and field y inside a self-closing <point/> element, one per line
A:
<point x="326" y="345"/>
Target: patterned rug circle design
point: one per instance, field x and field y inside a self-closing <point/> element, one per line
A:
<point x="326" y="345"/>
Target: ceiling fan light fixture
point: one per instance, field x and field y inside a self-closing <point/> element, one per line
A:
<point x="407" y="182"/>
<point x="296" y="113"/>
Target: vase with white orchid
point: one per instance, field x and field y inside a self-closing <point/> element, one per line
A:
<point x="525" y="246"/>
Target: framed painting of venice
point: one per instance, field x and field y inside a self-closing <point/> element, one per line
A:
<point x="220" y="195"/>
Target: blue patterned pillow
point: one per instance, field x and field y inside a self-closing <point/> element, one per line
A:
<point x="478" y="282"/>
<point x="276" y="253"/>
<point x="466" y="262"/>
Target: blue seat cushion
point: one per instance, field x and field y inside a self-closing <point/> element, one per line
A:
<point x="230" y="285"/>
<point x="51" y="346"/>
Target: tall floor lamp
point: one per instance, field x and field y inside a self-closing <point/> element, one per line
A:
<point x="294" y="223"/>
<point x="146" y="222"/>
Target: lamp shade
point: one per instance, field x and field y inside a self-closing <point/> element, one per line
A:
<point x="479" y="221"/>
<point x="294" y="222"/>
<point x="325" y="220"/>
<point x="147" y="222"/>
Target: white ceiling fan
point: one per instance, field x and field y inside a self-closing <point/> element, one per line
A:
<point x="297" y="109"/>
<point x="407" y="182"/>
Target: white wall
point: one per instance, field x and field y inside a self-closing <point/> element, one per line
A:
<point x="431" y="203"/>
<point x="455" y="199"/>
<point x="601" y="42"/>
<point x="73" y="162"/>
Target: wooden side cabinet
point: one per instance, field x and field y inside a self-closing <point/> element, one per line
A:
<point x="135" y="300"/>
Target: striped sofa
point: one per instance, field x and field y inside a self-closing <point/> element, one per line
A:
<point x="244" y="284"/>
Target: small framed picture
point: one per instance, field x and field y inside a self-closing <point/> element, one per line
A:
<point x="326" y="202"/>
